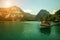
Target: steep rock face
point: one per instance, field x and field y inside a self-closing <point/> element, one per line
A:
<point x="11" y="14"/>
<point x="42" y="13"/>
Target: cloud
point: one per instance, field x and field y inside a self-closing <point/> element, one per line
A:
<point x="53" y="12"/>
<point x="28" y="11"/>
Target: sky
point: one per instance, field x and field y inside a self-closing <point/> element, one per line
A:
<point x="33" y="6"/>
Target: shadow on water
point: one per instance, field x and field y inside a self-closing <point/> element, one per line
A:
<point x="45" y="30"/>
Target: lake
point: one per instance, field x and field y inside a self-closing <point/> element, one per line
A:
<point x="28" y="30"/>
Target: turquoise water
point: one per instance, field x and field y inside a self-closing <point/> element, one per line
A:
<point x="28" y="31"/>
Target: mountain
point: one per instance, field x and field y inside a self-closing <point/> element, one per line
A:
<point x="29" y="17"/>
<point x="11" y="14"/>
<point x="57" y="16"/>
<point x="14" y="13"/>
<point x="57" y="12"/>
<point x="41" y="13"/>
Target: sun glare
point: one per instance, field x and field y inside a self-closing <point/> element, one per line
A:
<point x="7" y="4"/>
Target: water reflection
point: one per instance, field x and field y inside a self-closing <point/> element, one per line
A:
<point x="45" y="30"/>
<point x="55" y="30"/>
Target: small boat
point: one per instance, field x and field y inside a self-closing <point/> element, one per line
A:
<point x="45" y="23"/>
<point x="56" y="21"/>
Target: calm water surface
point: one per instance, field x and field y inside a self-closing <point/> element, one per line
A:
<point x="28" y="31"/>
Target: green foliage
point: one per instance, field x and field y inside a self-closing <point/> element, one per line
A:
<point x="52" y="17"/>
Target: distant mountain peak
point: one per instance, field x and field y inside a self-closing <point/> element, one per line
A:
<point x="42" y="13"/>
<point x="13" y="7"/>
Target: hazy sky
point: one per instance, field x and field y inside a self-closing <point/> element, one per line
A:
<point x="34" y="6"/>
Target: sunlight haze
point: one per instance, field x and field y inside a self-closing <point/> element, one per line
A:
<point x="33" y="6"/>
